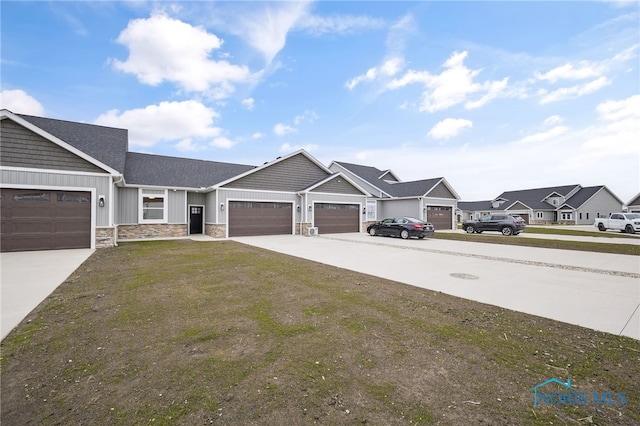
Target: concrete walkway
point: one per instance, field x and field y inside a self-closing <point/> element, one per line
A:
<point x="27" y="278"/>
<point x="594" y="290"/>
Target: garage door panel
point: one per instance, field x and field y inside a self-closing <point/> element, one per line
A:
<point x="44" y="220"/>
<point x="440" y="217"/>
<point x="247" y="218"/>
<point x="336" y="218"/>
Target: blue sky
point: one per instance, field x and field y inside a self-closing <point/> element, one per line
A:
<point x="494" y="96"/>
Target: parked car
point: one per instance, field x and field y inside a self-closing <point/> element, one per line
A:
<point x="507" y="224"/>
<point x="403" y="227"/>
<point x="623" y="222"/>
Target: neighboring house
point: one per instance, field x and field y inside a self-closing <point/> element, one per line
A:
<point x="70" y="185"/>
<point x="432" y="200"/>
<point x="633" y="206"/>
<point x="569" y="204"/>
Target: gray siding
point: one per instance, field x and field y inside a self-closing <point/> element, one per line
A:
<point x="197" y="198"/>
<point x="20" y="147"/>
<point x="127" y="206"/>
<point x="338" y="186"/>
<point x="290" y="175"/>
<point x="46" y="180"/>
<point x="602" y="204"/>
<point x="441" y="191"/>
<point x="177" y="207"/>
<point x="393" y="208"/>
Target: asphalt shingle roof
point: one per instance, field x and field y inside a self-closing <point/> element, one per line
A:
<point x="400" y="189"/>
<point x="475" y="205"/>
<point x="106" y="144"/>
<point x="158" y="170"/>
<point x="533" y="198"/>
<point x="580" y="197"/>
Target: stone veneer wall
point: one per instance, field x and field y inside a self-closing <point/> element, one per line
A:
<point x="215" y="230"/>
<point x="105" y="237"/>
<point x="146" y="231"/>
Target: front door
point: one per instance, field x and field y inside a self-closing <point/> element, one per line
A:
<point x="195" y="219"/>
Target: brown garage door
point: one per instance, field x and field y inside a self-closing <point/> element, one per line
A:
<point x="33" y="219"/>
<point x="525" y="216"/>
<point x="336" y="218"/>
<point x="440" y="217"/>
<point x="264" y="218"/>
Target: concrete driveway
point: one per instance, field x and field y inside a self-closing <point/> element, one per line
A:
<point x="27" y="278"/>
<point x="594" y="290"/>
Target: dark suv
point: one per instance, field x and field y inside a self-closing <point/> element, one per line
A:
<point x="507" y="224"/>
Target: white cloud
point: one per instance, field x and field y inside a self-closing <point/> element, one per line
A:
<point x="292" y="148"/>
<point x="306" y="117"/>
<point x="167" y="121"/>
<point x="19" y="102"/>
<point x="248" y="103"/>
<point x="282" y="129"/>
<point x="222" y="142"/>
<point x="265" y="26"/>
<point x="554" y="119"/>
<point x="560" y="156"/>
<point x="583" y="70"/>
<point x="340" y="24"/>
<point x="187" y="145"/>
<point x="573" y="91"/>
<point x="451" y="87"/>
<point x="449" y="128"/>
<point x="543" y="136"/>
<point x="257" y="135"/>
<point x="165" y="49"/>
<point x="619" y="110"/>
<point x="389" y="68"/>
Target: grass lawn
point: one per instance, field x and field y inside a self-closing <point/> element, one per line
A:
<point x="189" y="333"/>
<point x="600" y="247"/>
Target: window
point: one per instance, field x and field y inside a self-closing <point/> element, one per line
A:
<point x="566" y="215"/>
<point x="152" y="206"/>
<point x="580" y="215"/>
<point x="587" y="215"/>
<point x="371" y="210"/>
<point x="539" y="215"/>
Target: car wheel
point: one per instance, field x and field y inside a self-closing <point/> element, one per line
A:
<point x="601" y="227"/>
<point x="507" y="231"/>
<point x="372" y="232"/>
<point x="470" y="229"/>
<point x="421" y="237"/>
<point x="404" y="234"/>
<point x="629" y="229"/>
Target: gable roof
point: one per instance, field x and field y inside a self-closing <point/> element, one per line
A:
<point x="374" y="177"/>
<point x="634" y="201"/>
<point x="318" y="173"/>
<point x="476" y="205"/>
<point x="159" y="170"/>
<point x="534" y="198"/>
<point x="335" y="176"/>
<point x="108" y="145"/>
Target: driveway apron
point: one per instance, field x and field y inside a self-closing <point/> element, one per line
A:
<point x="595" y="290"/>
<point x="27" y="278"/>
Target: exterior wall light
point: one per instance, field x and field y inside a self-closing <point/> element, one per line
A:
<point x="297" y="208"/>
<point x="101" y="201"/>
<point x="364" y="210"/>
<point x="310" y="207"/>
<point x="221" y="206"/>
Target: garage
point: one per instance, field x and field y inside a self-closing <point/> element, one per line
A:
<point x="440" y="217"/>
<point x="525" y="216"/>
<point x="248" y="218"/>
<point x="32" y="219"/>
<point x="336" y="218"/>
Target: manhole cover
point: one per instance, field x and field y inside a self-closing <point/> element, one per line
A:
<point x="464" y="276"/>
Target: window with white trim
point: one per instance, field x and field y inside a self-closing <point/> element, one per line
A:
<point x="539" y="215"/>
<point x="152" y="206"/>
<point x="566" y="215"/>
<point x="371" y="210"/>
